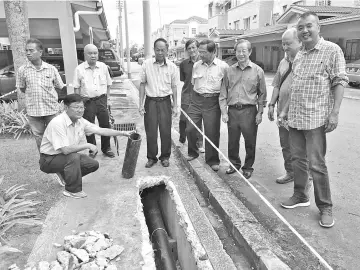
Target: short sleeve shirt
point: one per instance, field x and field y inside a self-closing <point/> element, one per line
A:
<point x="159" y="79"/>
<point x="185" y="69"/>
<point x="207" y="78"/>
<point x="62" y="132"/>
<point x="92" y="82"/>
<point x="41" y="98"/>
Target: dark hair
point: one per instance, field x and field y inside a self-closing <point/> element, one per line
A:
<point x="210" y="45"/>
<point x="309" y="13"/>
<point x="243" y="41"/>
<point x="38" y="43"/>
<point x="163" y="40"/>
<point x="72" y="98"/>
<point x="191" y="41"/>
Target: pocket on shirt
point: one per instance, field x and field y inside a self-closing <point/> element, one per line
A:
<point x="102" y="80"/>
<point x="47" y="81"/>
<point x="167" y="78"/>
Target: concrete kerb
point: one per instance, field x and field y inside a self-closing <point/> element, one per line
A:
<point x="244" y="227"/>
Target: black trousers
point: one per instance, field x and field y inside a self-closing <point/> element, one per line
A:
<point x="158" y="117"/>
<point x="98" y="108"/>
<point x="242" y="121"/>
<point x="206" y="110"/>
<point x="72" y="168"/>
<point x="285" y="147"/>
<point x="182" y="126"/>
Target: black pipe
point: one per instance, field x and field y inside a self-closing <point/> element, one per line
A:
<point x="131" y="155"/>
<point x="163" y="257"/>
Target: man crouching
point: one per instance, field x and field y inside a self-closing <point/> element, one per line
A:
<point x="63" y="141"/>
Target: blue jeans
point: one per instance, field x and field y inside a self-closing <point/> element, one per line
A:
<point x="310" y="145"/>
<point x="38" y="125"/>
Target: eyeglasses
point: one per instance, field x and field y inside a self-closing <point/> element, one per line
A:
<point x="77" y="108"/>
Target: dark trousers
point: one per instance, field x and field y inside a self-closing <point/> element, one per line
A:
<point x="158" y="117"/>
<point x="308" y="148"/>
<point x="98" y="108"/>
<point x="182" y="126"/>
<point x="72" y="168"/>
<point x="206" y="110"/>
<point x="285" y="147"/>
<point x="242" y="121"/>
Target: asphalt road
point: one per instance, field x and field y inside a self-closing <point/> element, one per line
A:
<point x="339" y="245"/>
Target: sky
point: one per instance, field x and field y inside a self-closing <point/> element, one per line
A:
<point x="170" y="10"/>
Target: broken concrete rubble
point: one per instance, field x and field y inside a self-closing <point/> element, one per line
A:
<point x="90" y="250"/>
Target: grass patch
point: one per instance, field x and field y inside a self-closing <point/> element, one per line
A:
<point x="19" y="163"/>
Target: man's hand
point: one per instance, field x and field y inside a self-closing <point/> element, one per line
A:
<point x="93" y="148"/>
<point x="332" y="122"/>
<point x="142" y="110"/>
<point x="175" y="110"/>
<point x="109" y="101"/>
<point x="127" y="133"/>
<point x="271" y="113"/>
<point x="225" y="118"/>
<point x="258" y="118"/>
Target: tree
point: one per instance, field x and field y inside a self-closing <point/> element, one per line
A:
<point x="134" y="49"/>
<point x="18" y="29"/>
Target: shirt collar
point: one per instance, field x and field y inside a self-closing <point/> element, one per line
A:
<point x="214" y="62"/>
<point x="155" y="62"/>
<point x="86" y="65"/>
<point x="197" y="59"/>
<point x="68" y="120"/>
<point x="250" y="64"/>
<point x="317" y="46"/>
<point x="43" y="65"/>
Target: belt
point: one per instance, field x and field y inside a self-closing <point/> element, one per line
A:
<point x="158" y="98"/>
<point x="207" y="95"/>
<point x="241" y="106"/>
<point x="95" y="98"/>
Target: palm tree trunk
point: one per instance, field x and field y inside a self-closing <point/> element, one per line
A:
<point x="18" y="28"/>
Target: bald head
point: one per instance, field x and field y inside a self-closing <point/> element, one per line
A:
<point x="91" y="54"/>
<point x="290" y="42"/>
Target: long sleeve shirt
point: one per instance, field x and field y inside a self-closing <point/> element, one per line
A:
<point x="243" y="86"/>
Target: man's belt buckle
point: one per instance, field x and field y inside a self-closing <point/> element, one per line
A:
<point x="239" y="106"/>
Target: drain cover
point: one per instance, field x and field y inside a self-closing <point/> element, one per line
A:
<point x="125" y="126"/>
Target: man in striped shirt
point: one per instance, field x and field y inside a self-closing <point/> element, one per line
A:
<point x="317" y="90"/>
<point x="159" y="79"/>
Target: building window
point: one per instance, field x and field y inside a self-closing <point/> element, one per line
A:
<point x="323" y="3"/>
<point x="237" y="24"/>
<point x="193" y="31"/>
<point x="254" y="17"/>
<point x="352" y="49"/>
<point x="247" y="23"/>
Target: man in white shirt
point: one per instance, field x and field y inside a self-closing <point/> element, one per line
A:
<point x="63" y="141"/>
<point x="92" y="81"/>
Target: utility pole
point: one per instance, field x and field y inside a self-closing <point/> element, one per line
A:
<point x="121" y="51"/>
<point x="18" y="28"/>
<point x="127" y="41"/>
<point x="147" y="28"/>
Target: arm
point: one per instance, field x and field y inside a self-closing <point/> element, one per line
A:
<point x="108" y="81"/>
<point x="261" y="97"/>
<point x="174" y="85"/>
<point x="77" y="82"/>
<point x="223" y="97"/>
<point x="142" y="89"/>
<point x="275" y="94"/>
<point x="112" y="132"/>
<point x="20" y="80"/>
<point x="338" y="80"/>
<point x="76" y="148"/>
<point x="58" y="83"/>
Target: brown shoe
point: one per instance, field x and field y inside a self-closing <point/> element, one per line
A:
<point x="165" y="163"/>
<point x="150" y="163"/>
<point x="287" y="178"/>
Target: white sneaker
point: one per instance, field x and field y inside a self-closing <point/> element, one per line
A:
<point x="76" y="195"/>
<point x="58" y="177"/>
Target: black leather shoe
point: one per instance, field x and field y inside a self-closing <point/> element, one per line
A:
<point x="150" y="163"/>
<point x="231" y="170"/>
<point x="165" y="163"/>
<point x="247" y="174"/>
<point x="109" y="154"/>
<point x="182" y="140"/>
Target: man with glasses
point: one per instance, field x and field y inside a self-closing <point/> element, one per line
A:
<point x="63" y="142"/>
<point x="92" y="81"/>
<point x="242" y="100"/>
<point x="207" y="76"/>
<point x="159" y="80"/>
<point x="186" y="67"/>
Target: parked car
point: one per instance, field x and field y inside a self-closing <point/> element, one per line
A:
<point x="108" y="57"/>
<point x="353" y="73"/>
<point x="232" y="60"/>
